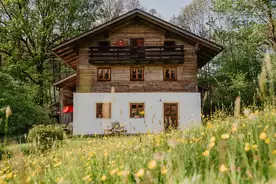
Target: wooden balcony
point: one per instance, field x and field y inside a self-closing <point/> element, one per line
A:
<point x="134" y="55"/>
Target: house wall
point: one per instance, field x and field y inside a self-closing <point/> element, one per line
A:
<point x="85" y="121"/>
<point x="120" y="74"/>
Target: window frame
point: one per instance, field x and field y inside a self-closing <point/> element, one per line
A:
<point x="110" y="110"/>
<point x="103" y="68"/>
<point x="170" y="68"/>
<point x="137" y="68"/>
<point x="137" y="107"/>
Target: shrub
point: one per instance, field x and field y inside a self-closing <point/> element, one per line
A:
<point x="45" y="136"/>
<point x="25" y="113"/>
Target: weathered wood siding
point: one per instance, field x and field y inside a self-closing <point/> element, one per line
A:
<point x="153" y="74"/>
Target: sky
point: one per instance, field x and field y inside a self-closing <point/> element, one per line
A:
<point x="167" y="8"/>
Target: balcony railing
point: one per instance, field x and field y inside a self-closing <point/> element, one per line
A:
<point x="128" y="54"/>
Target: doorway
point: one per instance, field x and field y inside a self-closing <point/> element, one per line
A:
<point x="170" y="116"/>
<point x="137" y="50"/>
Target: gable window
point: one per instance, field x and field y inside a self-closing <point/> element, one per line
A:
<point x="137" y="110"/>
<point x="170" y="73"/>
<point x="104" y="74"/>
<point x="103" y="110"/>
<point x="137" y="74"/>
<point x="169" y="45"/>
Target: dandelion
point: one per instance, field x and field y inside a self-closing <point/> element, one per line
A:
<point x="223" y="168"/>
<point x="9" y="176"/>
<point x="164" y="170"/>
<point x="140" y="173"/>
<point x="267" y="140"/>
<point x="152" y="164"/>
<point x="209" y="125"/>
<point x="262" y="136"/>
<point x="87" y="178"/>
<point x="274" y="152"/>
<point x="123" y="173"/>
<point x="211" y="145"/>
<point x="254" y="146"/>
<point x="28" y="179"/>
<point x="247" y="147"/>
<point x="225" y="136"/>
<point x="103" y="178"/>
<point x="206" y="153"/>
<point x="114" y="171"/>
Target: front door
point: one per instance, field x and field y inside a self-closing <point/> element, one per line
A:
<point x="170" y="115"/>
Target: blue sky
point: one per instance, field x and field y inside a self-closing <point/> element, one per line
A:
<point x="167" y="8"/>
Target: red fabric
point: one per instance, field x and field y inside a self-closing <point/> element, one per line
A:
<point x="120" y="43"/>
<point x="67" y="109"/>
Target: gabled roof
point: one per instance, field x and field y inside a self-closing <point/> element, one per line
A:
<point x="206" y="48"/>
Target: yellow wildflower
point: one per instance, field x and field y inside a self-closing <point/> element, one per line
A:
<point x="262" y="136"/>
<point x="209" y="125"/>
<point x="114" y="171"/>
<point x="223" y="168"/>
<point x="140" y="173"/>
<point x="9" y="175"/>
<point x="274" y="152"/>
<point x="211" y="145"/>
<point x="206" y="153"/>
<point x="103" y="178"/>
<point x="123" y="173"/>
<point x="164" y="170"/>
<point x="152" y="164"/>
<point x="213" y="139"/>
<point x="225" y="136"/>
<point x="28" y="179"/>
<point x="254" y="146"/>
<point x="247" y="147"/>
<point x="267" y="140"/>
<point x="87" y="178"/>
<point x="106" y="153"/>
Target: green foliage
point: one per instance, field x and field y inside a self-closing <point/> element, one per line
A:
<point x="28" y="31"/>
<point x="25" y="112"/>
<point x="45" y="136"/>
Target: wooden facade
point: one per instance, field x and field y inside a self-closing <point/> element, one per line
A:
<point x="86" y="56"/>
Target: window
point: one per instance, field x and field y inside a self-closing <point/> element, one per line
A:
<point x="169" y="45"/>
<point x="137" y="74"/>
<point x="103" y="110"/>
<point x="104" y="43"/>
<point x="104" y="74"/>
<point x="170" y="73"/>
<point x="137" y="110"/>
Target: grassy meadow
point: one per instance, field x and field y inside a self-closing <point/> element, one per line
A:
<point x="225" y="150"/>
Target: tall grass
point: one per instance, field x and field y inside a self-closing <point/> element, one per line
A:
<point x="227" y="150"/>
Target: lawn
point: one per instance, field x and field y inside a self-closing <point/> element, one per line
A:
<point x="225" y="150"/>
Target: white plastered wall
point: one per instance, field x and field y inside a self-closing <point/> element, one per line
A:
<point x="85" y="121"/>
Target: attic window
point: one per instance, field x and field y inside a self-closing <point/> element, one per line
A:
<point x="168" y="44"/>
<point x="104" y="43"/>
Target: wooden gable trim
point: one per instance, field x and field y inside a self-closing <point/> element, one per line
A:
<point x="155" y="20"/>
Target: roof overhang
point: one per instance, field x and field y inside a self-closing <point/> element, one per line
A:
<point x="206" y="48"/>
<point x="68" y="82"/>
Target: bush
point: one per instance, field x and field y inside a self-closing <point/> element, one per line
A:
<point x="45" y="136"/>
<point x="25" y="113"/>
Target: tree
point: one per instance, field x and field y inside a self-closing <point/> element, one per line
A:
<point x="25" y="113"/>
<point x="30" y="28"/>
<point x="194" y="17"/>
